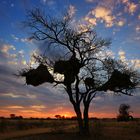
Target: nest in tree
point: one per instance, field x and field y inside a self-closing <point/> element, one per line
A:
<point x="89" y="82"/>
<point x="70" y="68"/>
<point x="71" y="65"/>
<point x="60" y="66"/>
<point x="118" y="80"/>
<point x="38" y="76"/>
<point x="69" y="78"/>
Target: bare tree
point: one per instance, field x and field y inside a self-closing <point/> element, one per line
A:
<point x="82" y="71"/>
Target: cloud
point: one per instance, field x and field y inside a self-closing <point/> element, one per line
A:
<point x="15" y="107"/>
<point x="105" y="3"/>
<point x="89" y="1"/>
<point x="121" y="22"/>
<point x="104" y="14"/>
<point x="24" y="40"/>
<point x="11" y="95"/>
<point x="12" y="63"/>
<point x="38" y="107"/>
<point x="10" y="56"/>
<point x="137" y="38"/>
<point x="6" y="51"/>
<point x="13" y="91"/>
<point x="21" y="53"/>
<point x="91" y="21"/>
<point x="71" y="10"/>
<point x="15" y="37"/>
<point x="48" y="2"/>
<point x="28" y="97"/>
<point x="5" y="48"/>
<point x="139" y="17"/>
<point x="122" y="55"/>
<point x="18" y="97"/>
<point x="131" y="7"/>
<point x="15" y="95"/>
<point x="29" y="111"/>
<point x="135" y="63"/>
<point x="137" y="28"/>
<point x="13" y="56"/>
<point x="124" y="1"/>
<point x="24" y="62"/>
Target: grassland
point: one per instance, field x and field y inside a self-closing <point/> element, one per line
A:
<point x="67" y="130"/>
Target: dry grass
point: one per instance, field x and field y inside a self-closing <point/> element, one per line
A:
<point x="67" y="130"/>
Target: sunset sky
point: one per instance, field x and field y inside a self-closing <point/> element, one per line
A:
<point x="115" y="19"/>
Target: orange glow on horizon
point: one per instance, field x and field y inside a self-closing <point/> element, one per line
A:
<point x="65" y="112"/>
<point x="35" y="114"/>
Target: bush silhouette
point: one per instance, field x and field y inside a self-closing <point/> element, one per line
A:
<point x="124" y="113"/>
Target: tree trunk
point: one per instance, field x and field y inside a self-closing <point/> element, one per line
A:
<point x="77" y="110"/>
<point x="86" y="119"/>
<point x="79" y="119"/>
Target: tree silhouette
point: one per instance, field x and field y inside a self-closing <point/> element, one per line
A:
<point x="124" y="114"/>
<point x="58" y="116"/>
<point x="82" y="70"/>
<point x="12" y="116"/>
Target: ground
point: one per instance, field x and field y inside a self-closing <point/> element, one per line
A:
<point x="105" y="129"/>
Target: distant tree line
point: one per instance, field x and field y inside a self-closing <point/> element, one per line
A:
<point x="13" y="116"/>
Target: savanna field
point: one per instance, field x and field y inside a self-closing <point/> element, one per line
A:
<point x="105" y="129"/>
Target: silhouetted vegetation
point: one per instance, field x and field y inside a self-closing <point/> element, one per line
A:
<point x="124" y="114"/>
<point x="13" y="116"/>
<point x="82" y="71"/>
<point x="58" y="116"/>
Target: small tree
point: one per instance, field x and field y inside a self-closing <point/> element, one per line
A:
<point x="12" y="116"/>
<point x="82" y="70"/>
<point x="124" y="113"/>
<point x="58" y="116"/>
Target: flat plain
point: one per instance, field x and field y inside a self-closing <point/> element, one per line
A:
<point x="102" y="129"/>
